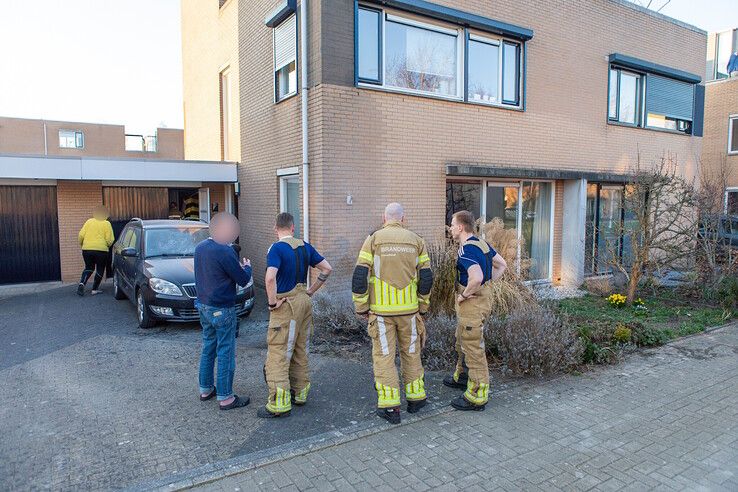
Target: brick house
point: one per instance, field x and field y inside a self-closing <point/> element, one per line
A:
<point x="530" y="111"/>
<point x="720" y="143"/>
<point x="53" y="173"/>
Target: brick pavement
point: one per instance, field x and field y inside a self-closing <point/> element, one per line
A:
<point x="666" y="419"/>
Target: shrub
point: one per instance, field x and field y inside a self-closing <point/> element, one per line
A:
<point x="439" y="353"/>
<point x="598" y="286"/>
<point x="597" y="339"/>
<point x="727" y="292"/>
<point x="647" y="336"/>
<point x="336" y="327"/>
<point x="532" y="340"/>
<point x="622" y="334"/>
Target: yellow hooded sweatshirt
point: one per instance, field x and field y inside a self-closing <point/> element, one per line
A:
<point x="96" y="235"/>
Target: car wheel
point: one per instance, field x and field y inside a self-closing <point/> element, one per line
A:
<point x="145" y="319"/>
<point x="117" y="291"/>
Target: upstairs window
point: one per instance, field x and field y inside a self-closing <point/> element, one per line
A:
<point x="404" y="54"/>
<point x="733" y="135"/>
<point x="420" y="57"/>
<point x="71" y="139"/>
<point x="285" y="59"/>
<point x="625" y="97"/>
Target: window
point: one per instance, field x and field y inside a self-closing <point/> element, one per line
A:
<point x="510" y="73"/>
<point x="289" y="199"/>
<point x="421" y="58"/>
<point x="625" y="96"/>
<point x="404" y="54"/>
<point x="526" y="206"/>
<point x="369" y="29"/>
<point x="723" y="50"/>
<point x="225" y="115"/>
<point x="71" y="139"/>
<point x="731" y="201"/>
<point x="603" y="227"/>
<point x="651" y="101"/>
<point x="733" y="134"/>
<point x="285" y="59"/>
<point x="484" y="70"/>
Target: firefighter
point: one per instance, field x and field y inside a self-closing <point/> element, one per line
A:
<point x="290" y="317"/>
<point x="478" y="265"/>
<point x="391" y="289"/>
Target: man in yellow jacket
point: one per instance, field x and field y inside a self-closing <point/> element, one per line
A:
<point x="95" y="239"/>
<point x="391" y="287"/>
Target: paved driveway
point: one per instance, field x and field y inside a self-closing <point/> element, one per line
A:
<point x="90" y="401"/>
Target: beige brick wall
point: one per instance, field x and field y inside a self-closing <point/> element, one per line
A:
<point x="721" y="101"/>
<point x="26" y="136"/>
<point x="75" y="202"/>
<point x="378" y="146"/>
<point x="209" y="44"/>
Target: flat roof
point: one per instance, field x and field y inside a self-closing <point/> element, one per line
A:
<point x="13" y="166"/>
<point x="658" y="15"/>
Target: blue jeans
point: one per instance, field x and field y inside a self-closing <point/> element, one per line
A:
<point x="218" y="339"/>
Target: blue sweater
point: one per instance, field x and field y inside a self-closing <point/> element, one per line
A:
<point x="733" y="63"/>
<point x="217" y="271"/>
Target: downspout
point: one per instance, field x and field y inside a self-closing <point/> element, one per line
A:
<point x="46" y="141"/>
<point x="305" y="163"/>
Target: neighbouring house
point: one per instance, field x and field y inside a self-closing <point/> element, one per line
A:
<point x="720" y="143"/>
<point x="533" y="112"/>
<point x="53" y="173"/>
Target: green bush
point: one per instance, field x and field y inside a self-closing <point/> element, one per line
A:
<point x="727" y="293"/>
<point x="622" y="334"/>
<point x="648" y="336"/>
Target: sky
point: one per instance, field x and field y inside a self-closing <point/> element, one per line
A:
<point x="120" y="61"/>
<point x="102" y="61"/>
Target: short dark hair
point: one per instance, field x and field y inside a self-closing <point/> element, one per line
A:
<point x="465" y="219"/>
<point x="285" y="221"/>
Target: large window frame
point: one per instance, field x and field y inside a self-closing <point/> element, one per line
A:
<point x="732" y="190"/>
<point x="463" y="38"/>
<point x="643" y="119"/>
<point x="276" y="70"/>
<point x="732" y="132"/>
<point x="595" y="269"/>
<point x="284" y="180"/>
<point x="71" y="139"/>
<point x="485" y="184"/>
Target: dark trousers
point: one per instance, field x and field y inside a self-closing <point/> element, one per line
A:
<point x="95" y="261"/>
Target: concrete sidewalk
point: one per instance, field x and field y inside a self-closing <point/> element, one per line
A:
<point x="667" y="419"/>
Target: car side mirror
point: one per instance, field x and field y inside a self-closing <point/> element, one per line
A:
<point x="130" y="252"/>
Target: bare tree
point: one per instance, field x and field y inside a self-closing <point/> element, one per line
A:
<point x="714" y="258"/>
<point x="660" y="224"/>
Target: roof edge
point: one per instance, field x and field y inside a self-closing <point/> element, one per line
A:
<point x="658" y="15"/>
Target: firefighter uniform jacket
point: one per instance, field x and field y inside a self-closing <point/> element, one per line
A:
<point x="392" y="275"/>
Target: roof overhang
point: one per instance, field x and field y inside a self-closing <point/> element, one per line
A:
<point x="486" y="171"/>
<point x="646" y="66"/>
<point x="279" y="14"/>
<point x="466" y="19"/>
<point x="129" y="170"/>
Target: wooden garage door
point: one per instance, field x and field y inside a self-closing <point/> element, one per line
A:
<point x="127" y="202"/>
<point x="29" y="234"/>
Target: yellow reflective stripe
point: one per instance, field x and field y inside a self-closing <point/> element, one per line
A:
<point x="423" y="258"/>
<point x="478" y="397"/>
<point x="360" y="298"/>
<point x="392" y="295"/>
<point x="282" y="402"/>
<point x="387" y="396"/>
<point x="301" y="397"/>
<point x="385" y="293"/>
<point x="415" y="390"/>
<point x="381" y="308"/>
<point x="364" y="255"/>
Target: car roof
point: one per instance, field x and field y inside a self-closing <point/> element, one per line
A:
<point x="167" y="223"/>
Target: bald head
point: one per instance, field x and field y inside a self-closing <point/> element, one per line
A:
<point x="224" y="228"/>
<point x="394" y="212"/>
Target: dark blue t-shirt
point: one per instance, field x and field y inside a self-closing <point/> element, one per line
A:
<point x="217" y="271"/>
<point x="291" y="268"/>
<point x="470" y="255"/>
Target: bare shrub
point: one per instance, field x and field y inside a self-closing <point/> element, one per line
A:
<point x="532" y="340"/>
<point x="439" y="353"/>
<point x="336" y="328"/>
<point x="599" y="286"/>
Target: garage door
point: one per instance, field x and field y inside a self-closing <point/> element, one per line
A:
<point x="127" y="202"/>
<point x="29" y="234"/>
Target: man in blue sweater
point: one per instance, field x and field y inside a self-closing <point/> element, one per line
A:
<point x="217" y="271"/>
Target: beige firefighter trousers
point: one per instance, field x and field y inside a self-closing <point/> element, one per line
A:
<point x="386" y="333"/>
<point x="288" y="345"/>
<point x="472" y="314"/>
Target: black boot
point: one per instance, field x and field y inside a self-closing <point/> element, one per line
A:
<point x="263" y="413"/>
<point x="461" y="403"/>
<point x="415" y="405"/>
<point x="452" y="383"/>
<point x="392" y="415"/>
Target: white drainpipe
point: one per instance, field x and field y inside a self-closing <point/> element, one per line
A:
<point x="305" y="163"/>
<point x="46" y="141"/>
